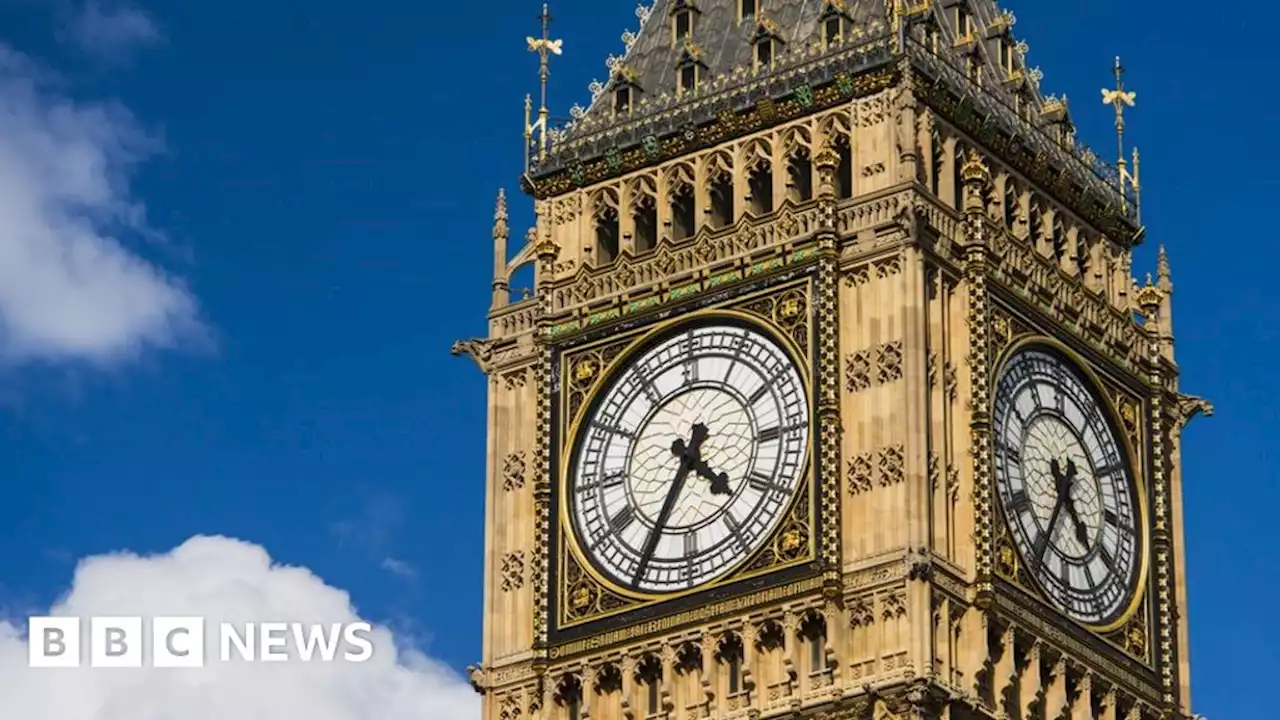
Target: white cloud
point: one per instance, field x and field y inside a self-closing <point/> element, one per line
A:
<point x="70" y="288"/>
<point x="111" y="30"/>
<point x="399" y="568"/>
<point x="224" y="580"/>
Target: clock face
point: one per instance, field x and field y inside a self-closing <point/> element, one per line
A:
<point x="687" y="462"/>
<point x="1066" y="487"/>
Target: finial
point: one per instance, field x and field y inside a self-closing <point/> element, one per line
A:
<point x="545" y="47"/>
<point x="1163" y="276"/>
<point x="1119" y="99"/>
<point x="974" y="170"/>
<point x="500" y="228"/>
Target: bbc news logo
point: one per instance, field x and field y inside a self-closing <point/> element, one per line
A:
<point x="179" y="642"/>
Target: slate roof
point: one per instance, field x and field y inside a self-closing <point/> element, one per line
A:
<point x="729" y="81"/>
<point x="725" y="43"/>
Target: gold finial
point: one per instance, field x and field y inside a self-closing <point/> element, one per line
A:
<point x="974" y="171"/>
<point x="545" y="47"/>
<point x="1119" y="99"/>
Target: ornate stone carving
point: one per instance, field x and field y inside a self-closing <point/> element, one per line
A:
<point x="894" y="605"/>
<point x="889" y="362"/>
<point x="481" y="351"/>
<point x="513" y="471"/>
<point x="890" y="465"/>
<point x="513" y="571"/>
<point x="860" y="373"/>
<point x="862" y="612"/>
<point x="860" y="471"/>
<point x="515" y="378"/>
<point x="857" y="371"/>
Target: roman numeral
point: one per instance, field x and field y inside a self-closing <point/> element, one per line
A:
<point x="1107" y="470"/>
<point x="1107" y="560"/>
<point x="622" y="520"/>
<point x="735" y="528"/>
<point x="613" y="479"/>
<point x="762" y="482"/>
<point x="1010" y="453"/>
<point x="1110" y="517"/>
<point x="769" y="434"/>
<point x="690" y="371"/>
<point x="613" y="430"/>
<point x="646" y="384"/>
<point x="690" y="544"/>
<point x="1019" y="501"/>
<point x="759" y="393"/>
<point x="1041" y="545"/>
<point x="1035" y="394"/>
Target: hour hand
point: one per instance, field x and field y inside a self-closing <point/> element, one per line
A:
<point x="719" y="482"/>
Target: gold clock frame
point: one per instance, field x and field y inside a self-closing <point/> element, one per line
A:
<point x="1138" y="593"/>
<point x="790" y="301"/>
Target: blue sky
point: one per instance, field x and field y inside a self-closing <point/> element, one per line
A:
<point x="318" y="184"/>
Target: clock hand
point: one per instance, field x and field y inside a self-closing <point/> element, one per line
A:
<point x="688" y="454"/>
<point x="1061" y="483"/>
<point x="1082" y="533"/>
<point x="719" y="482"/>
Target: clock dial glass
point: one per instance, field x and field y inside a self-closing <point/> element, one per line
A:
<point x="1066" y="487"/>
<point x="688" y="460"/>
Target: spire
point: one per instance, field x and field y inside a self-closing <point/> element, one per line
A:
<point x="1163" y="277"/>
<point x="1119" y="98"/>
<point x="501" y="231"/>
<point x="545" y="47"/>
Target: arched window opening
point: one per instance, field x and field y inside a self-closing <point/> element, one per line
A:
<point x="607" y="235"/>
<point x="730" y="653"/>
<point x="800" y="176"/>
<point x="682" y="213"/>
<point x="760" y="184"/>
<point x="844" y="170"/>
<point x="721" y="196"/>
<point x="650" y="675"/>
<point x="814" y="632"/>
<point x="645" y="218"/>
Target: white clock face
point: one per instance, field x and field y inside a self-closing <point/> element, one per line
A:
<point x="1066" y="488"/>
<point x="689" y="459"/>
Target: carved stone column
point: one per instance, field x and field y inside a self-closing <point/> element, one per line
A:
<point x="976" y="266"/>
<point x="828" y="331"/>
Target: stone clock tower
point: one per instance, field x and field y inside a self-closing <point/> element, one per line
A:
<point x="835" y="395"/>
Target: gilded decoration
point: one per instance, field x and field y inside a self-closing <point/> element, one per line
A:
<point x="583" y="596"/>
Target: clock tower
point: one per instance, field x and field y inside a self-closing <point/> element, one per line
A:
<point x="835" y="395"/>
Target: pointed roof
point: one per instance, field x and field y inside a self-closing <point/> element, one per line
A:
<point x="723" y="37"/>
<point x="944" y="41"/>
